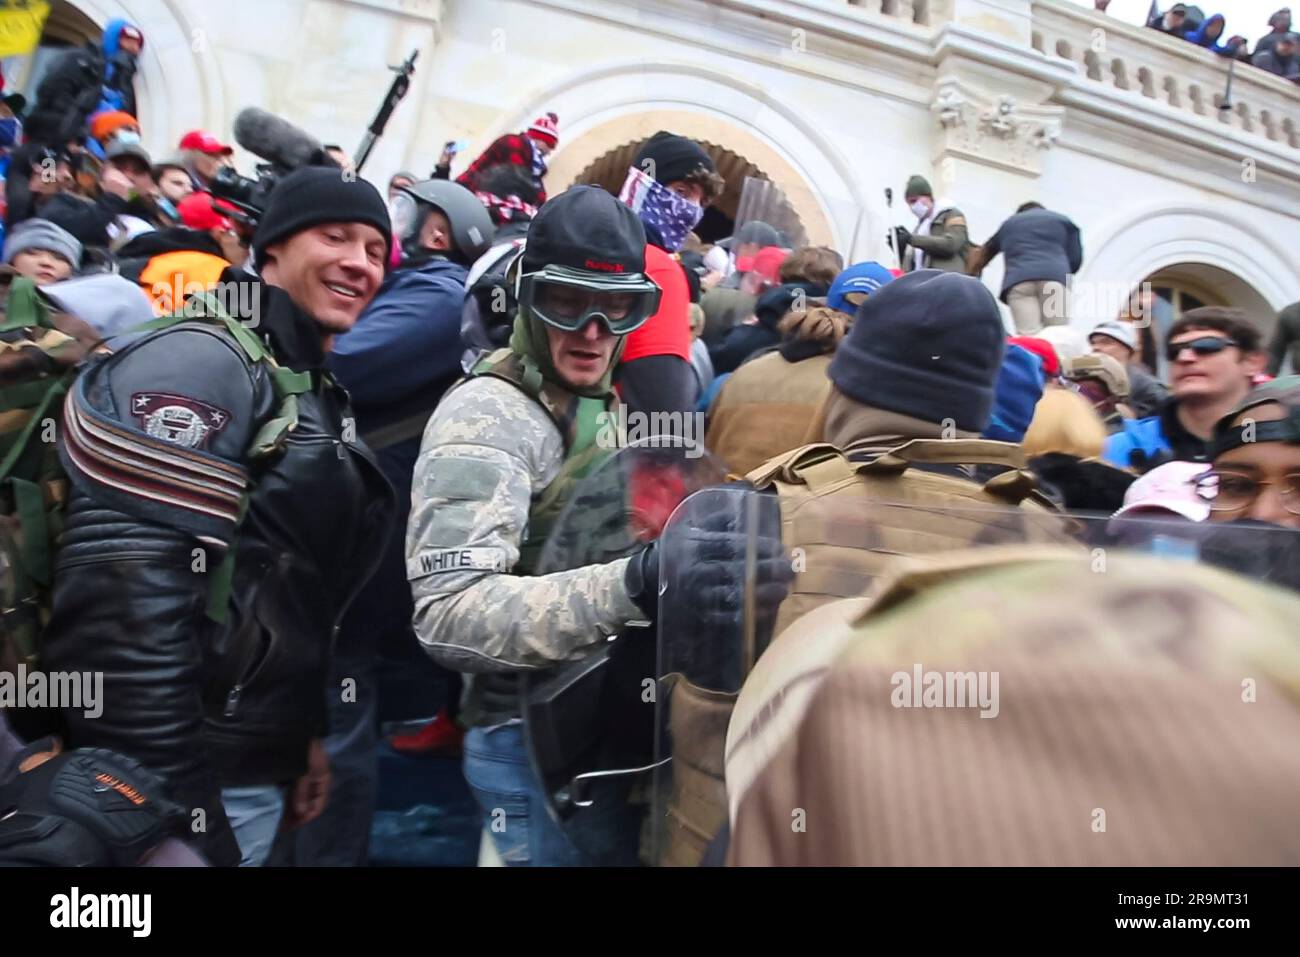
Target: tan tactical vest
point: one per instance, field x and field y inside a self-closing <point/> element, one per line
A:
<point x="697" y="807"/>
<point x="765" y="408"/>
<point x="847" y="523"/>
<point x="836" y="557"/>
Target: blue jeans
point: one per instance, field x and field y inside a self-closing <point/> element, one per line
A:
<point x="514" y="808"/>
<point x="254" y="814"/>
<point x="340" y="837"/>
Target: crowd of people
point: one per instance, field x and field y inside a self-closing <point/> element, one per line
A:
<point x="271" y="508"/>
<point x="1274" y="52"/>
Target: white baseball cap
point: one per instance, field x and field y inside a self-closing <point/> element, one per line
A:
<point x="1169" y="488"/>
<point x="1119" y="331"/>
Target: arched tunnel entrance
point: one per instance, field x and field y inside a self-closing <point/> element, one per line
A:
<point x="610" y="170"/>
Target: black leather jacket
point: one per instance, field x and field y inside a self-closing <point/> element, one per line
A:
<point x="210" y="705"/>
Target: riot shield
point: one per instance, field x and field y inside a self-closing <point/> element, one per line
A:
<point x="589" y="724"/>
<point x="719" y="591"/>
<point x="845" y="560"/>
<point x="763" y="202"/>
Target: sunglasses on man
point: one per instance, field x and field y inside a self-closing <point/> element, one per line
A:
<point x="1204" y="346"/>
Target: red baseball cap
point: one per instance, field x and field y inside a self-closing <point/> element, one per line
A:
<point x="196" y="212"/>
<point x="204" y="142"/>
<point x="766" y="262"/>
<point x="1043" y="349"/>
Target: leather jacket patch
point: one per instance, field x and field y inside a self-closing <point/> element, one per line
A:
<point x="177" y="418"/>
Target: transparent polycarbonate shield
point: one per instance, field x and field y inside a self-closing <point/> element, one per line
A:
<point x="723" y="574"/>
<point x="717" y="621"/>
<point x="765" y="216"/>
<point x="589" y="723"/>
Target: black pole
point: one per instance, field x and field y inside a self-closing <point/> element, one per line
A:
<point x="1227" y="93"/>
<point x="401" y="83"/>
<point x="891" y="236"/>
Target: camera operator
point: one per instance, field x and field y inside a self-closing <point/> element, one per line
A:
<point x="206" y="579"/>
<point x="204" y="156"/>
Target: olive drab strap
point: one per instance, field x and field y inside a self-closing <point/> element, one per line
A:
<point x="32" y="488"/>
<point x="579" y="420"/>
<point x="583" y="458"/>
<point x="822" y="466"/>
<point x="24" y="307"/>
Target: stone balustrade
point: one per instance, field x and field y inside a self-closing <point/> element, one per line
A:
<point x="1146" y="64"/>
<point x="923" y="12"/>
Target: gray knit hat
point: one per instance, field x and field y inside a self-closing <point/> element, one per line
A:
<point x="43" y="234"/>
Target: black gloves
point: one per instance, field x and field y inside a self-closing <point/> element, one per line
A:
<point x="902" y="238"/>
<point x="709" y="557"/>
<point x="89" y="807"/>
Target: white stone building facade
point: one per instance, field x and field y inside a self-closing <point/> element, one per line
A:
<point x="996" y="101"/>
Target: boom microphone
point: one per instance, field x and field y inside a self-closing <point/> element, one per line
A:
<point x="277" y="140"/>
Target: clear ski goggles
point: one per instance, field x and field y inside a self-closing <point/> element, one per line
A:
<point x="569" y="298"/>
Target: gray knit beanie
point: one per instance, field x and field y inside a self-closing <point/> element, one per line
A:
<point x="43" y="234"/>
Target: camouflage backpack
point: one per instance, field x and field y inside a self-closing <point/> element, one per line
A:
<point x="40" y="351"/>
<point x="39" y="348"/>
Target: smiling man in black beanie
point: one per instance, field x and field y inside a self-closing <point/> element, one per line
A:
<point x="222" y="515"/>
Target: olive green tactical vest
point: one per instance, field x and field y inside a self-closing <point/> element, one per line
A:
<point x="579" y="420"/>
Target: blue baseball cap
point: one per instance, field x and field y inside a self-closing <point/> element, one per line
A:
<point x="864" y="278"/>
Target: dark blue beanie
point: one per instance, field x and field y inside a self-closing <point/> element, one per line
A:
<point x="929" y="345"/>
<point x="1019" y="387"/>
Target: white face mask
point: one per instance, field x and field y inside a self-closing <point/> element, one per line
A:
<point x="921" y="208"/>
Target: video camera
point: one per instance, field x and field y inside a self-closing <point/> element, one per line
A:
<point x="283" y="146"/>
<point x="247" y="195"/>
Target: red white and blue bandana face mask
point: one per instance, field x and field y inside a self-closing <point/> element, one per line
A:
<point x="668" y="218"/>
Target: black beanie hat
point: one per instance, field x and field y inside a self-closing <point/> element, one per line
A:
<point x="586" y="227"/>
<point x="929" y="345"/>
<point x="674" y="157"/>
<point x="314" y="195"/>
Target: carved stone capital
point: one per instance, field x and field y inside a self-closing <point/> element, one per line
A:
<point x="995" y="129"/>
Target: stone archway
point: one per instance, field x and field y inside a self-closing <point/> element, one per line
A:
<point x="608" y="105"/>
<point x="1203" y="247"/>
<point x="610" y="170"/>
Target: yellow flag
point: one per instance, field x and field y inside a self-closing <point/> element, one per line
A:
<point x="21" y="23"/>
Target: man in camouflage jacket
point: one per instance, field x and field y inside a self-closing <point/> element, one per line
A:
<point x="498" y="458"/>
